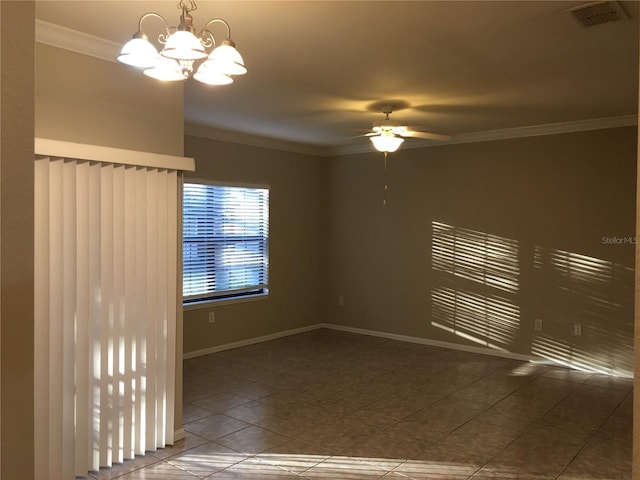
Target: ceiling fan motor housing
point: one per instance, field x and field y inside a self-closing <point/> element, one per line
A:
<point x="389" y="126"/>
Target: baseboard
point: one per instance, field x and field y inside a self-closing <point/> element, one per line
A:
<point x="394" y="336"/>
<point x="178" y="435"/>
<point x="362" y="331"/>
<point x="468" y="348"/>
<point x="250" y="341"/>
<point x="436" y="343"/>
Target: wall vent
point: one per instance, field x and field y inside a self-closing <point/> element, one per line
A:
<point x="598" y="13"/>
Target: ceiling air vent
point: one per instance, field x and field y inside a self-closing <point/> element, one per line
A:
<point x="598" y="13"/>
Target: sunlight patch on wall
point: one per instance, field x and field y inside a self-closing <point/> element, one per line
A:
<point x="475" y="256"/>
<point x="477" y="295"/>
<point x="477" y="278"/>
<point x="487" y="320"/>
<point x="594" y="293"/>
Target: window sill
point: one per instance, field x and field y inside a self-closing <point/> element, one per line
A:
<point x="224" y="301"/>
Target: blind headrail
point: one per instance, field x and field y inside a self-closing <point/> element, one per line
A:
<point x="46" y="147"/>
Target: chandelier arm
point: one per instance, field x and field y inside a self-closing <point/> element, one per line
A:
<point x="152" y="14"/>
<point x="162" y="38"/>
<point x="207" y="39"/>
<point x="216" y="20"/>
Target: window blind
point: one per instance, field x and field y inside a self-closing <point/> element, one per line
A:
<point x="106" y="307"/>
<point x="225" y="240"/>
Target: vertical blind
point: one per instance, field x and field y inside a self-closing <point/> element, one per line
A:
<point x="106" y="277"/>
<point x="225" y="240"/>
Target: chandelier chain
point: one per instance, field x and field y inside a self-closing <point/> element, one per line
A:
<point x="187" y="5"/>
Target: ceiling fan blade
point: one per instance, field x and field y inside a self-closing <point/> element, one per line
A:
<point x="365" y="135"/>
<point x="427" y="135"/>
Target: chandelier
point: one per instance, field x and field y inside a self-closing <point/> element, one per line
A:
<point x="182" y="49"/>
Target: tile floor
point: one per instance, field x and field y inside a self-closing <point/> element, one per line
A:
<point x="334" y="405"/>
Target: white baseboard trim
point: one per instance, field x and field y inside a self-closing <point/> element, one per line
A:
<point x="363" y="331"/>
<point x="436" y="343"/>
<point x="480" y="350"/>
<point x="402" y="338"/>
<point x="178" y="435"/>
<point x="250" y="341"/>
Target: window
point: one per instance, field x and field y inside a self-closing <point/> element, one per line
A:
<point x="225" y="241"/>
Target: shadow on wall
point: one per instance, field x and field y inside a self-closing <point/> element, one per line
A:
<point x="492" y="292"/>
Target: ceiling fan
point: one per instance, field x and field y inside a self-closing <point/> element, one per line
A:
<point x="387" y="135"/>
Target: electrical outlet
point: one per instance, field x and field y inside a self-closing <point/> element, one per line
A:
<point x="577" y="329"/>
<point x="212" y="317"/>
<point x="537" y="324"/>
<point x="341" y="301"/>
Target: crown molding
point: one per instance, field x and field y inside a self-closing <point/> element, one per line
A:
<point x="213" y="133"/>
<point x="546" y="129"/>
<point x="507" y="133"/>
<point x="203" y="131"/>
<point x="79" y="42"/>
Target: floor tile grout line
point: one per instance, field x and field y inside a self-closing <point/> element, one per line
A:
<point x="486" y="409"/>
<point x="522" y="433"/>
<point x="595" y="432"/>
<point x="578" y="384"/>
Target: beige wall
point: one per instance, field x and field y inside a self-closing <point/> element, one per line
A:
<point x="551" y="200"/>
<point x="636" y="384"/>
<point x="296" y="242"/>
<point x="16" y="242"/>
<point x="87" y="100"/>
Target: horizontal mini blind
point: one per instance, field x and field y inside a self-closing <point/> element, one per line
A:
<point x="225" y="240"/>
<point x="106" y="268"/>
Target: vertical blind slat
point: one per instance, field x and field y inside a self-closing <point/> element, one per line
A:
<point x="151" y="310"/>
<point x="173" y="240"/>
<point x="94" y="320"/>
<point x="129" y="301"/>
<point x="56" y="340"/>
<point x="161" y="302"/>
<point x="106" y="315"/>
<point x="83" y="311"/>
<point x="119" y="376"/>
<point x="69" y="279"/>
<point x="141" y="313"/>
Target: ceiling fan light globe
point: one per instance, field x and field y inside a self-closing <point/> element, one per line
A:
<point x="184" y="45"/>
<point x="386" y="143"/>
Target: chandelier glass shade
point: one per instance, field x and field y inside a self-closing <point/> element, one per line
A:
<point x="386" y="142"/>
<point x="218" y="61"/>
<point x="166" y="70"/>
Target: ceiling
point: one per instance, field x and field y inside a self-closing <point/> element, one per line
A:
<point x="319" y="71"/>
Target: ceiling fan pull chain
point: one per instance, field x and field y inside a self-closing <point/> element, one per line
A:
<point x="384" y="198"/>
